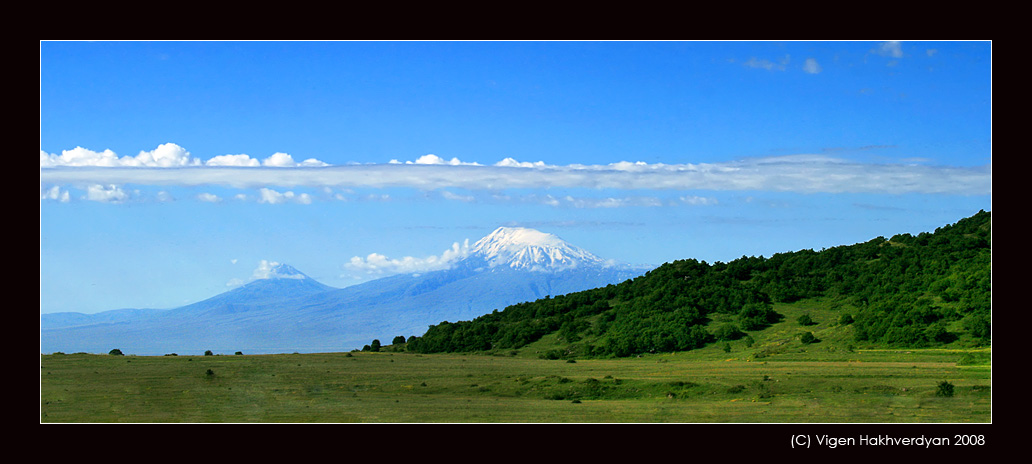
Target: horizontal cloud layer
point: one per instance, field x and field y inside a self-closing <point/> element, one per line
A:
<point x="794" y="173"/>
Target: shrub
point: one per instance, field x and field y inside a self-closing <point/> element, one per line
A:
<point x="846" y="319"/>
<point x="727" y="332"/>
<point x="239" y="353"/>
<point x="944" y="390"/>
<point x="208" y="353"/>
<point x="805" y="319"/>
<point x="115" y="352"/>
<point x="808" y="338"/>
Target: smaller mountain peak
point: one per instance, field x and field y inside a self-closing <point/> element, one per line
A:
<point x="274" y="270"/>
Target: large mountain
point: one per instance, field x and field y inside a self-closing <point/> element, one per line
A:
<point x="289" y="311"/>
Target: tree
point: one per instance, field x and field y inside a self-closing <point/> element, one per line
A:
<point x="805" y="319"/>
<point x="398" y="340"/>
<point x="375" y="345"/>
<point x="115" y="352"/>
<point x="808" y="338"/>
<point x="208" y="353"/>
<point x="945" y="389"/>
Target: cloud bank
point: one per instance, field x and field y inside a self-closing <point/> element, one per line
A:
<point x="170" y="165"/>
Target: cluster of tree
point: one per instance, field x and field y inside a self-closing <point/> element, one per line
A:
<point x="906" y="290"/>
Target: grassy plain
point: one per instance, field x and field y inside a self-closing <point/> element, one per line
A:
<point x="701" y="386"/>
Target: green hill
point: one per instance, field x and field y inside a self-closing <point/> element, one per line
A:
<point x="929" y="290"/>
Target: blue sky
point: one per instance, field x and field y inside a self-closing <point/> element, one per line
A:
<point x="173" y="171"/>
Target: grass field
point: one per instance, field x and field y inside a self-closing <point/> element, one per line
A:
<point x="694" y="387"/>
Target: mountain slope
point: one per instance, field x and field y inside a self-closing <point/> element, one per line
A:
<point x="288" y="311"/>
<point x="908" y="291"/>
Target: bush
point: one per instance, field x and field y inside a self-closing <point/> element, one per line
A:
<point x="115" y="352"/>
<point x="846" y="319"/>
<point x="208" y="353"/>
<point x="808" y="338"/>
<point x="805" y="319"/>
<point x="944" y="390"/>
<point x="728" y="332"/>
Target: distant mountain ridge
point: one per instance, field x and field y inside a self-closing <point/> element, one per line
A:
<point x="287" y="311"/>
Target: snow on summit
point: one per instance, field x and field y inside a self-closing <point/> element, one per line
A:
<point x="529" y="249"/>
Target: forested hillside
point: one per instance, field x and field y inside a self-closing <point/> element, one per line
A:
<point x="906" y="291"/>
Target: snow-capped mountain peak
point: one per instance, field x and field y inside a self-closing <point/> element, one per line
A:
<point x="529" y="249"/>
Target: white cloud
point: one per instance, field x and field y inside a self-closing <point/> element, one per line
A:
<point x="281" y="160"/>
<point x="695" y="200"/>
<point x="164" y="156"/>
<point x="376" y="264"/>
<point x="892" y="48"/>
<point x="55" y="193"/>
<point x="108" y="193"/>
<point x="768" y="65"/>
<point x="209" y="197"/>
<point x="811" y="66"/>
<point x="233" y="160"/>
<point x="454" y="196"/>
<point x="434" y="159"/>
<point x="509" y="162"/>
<point x="273" y="197"/>
<point x="312" y="162"/>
